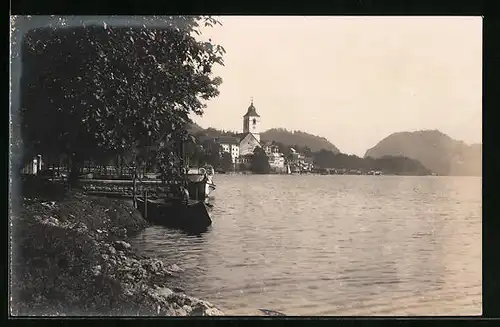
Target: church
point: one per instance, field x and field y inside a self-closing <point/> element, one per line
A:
<point x="251" y="131"/>
<point x="244" y="143"/>
<point x="242" y="146"/>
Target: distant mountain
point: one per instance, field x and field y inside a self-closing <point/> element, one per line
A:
<point x="289" y="138"/>
<point x="434" y="149"/>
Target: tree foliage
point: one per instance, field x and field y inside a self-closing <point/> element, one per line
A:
<point x="226" y="162"/>
<point x="206" y="152"/>
<point x="260" y="162"/>
<point x="89" y="89"/>
<point x="195" y="153"/>
<point x="213" y="152"/>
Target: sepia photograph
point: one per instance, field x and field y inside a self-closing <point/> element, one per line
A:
<point x="245" y="166"/>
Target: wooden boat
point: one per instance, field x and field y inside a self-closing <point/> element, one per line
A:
<point x="200" y="182"/>
<point x="192" y="217"/>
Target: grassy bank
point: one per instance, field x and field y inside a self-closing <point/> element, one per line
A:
<point x="70" y="257"/>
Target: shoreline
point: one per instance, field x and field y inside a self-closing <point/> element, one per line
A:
<point x="71" y="257"/>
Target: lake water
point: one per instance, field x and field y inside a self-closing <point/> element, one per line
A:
<point x="334" y="245"/>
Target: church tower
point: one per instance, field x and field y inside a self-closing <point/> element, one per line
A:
<point x="251" y="122"/>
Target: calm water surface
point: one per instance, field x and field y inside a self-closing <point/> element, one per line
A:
<point x="334" y="245"/>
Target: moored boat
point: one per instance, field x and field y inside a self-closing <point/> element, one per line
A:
<point x="192" y="217"/>
<point x="200" y="182"/>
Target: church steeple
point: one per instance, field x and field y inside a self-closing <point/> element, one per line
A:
<point x="251" y="121"/>
<point x="251" y="112"/>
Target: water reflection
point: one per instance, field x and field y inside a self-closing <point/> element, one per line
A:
<point x="334" y="245"/>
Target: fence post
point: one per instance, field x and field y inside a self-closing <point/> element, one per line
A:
<point x="146" y="204"/>
<point x="134" y="191"/>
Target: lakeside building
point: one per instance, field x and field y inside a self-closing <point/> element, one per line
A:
<point x="270" y="148"/>
<point x="277" y="162"/>
<point x="231" y="145"/>
<point x="299" y="162"/>
<point x="276" y="158"/>
<point x="242" y="145"/>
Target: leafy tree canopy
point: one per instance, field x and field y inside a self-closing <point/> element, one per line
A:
<point x="87" y="89"/>
<point x="260" y="162"/>
<point x="226" y="162"/>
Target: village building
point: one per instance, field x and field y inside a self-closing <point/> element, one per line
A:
<point x="299" y="162"/>
<point x="242" y="146"/>
<point x="231" y="145"/>
<point x="276" y="158"/>
<point x="270" y="148"/>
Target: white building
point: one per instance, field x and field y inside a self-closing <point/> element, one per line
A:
<point x="231" y="145"/>
<point x="299" y="162"/>
<point x="270" y="148"/>
<point x="276" y="161"/>
<point x="276" y="158"/>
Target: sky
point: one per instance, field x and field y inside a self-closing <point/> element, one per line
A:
<point x="353" y="80"/>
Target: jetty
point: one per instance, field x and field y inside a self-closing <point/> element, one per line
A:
<point x="158" y="202"/>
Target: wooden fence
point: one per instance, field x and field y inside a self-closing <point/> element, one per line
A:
<point x="125" y="188"/>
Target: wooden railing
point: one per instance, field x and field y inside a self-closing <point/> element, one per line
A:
<point x="125" y="188"/>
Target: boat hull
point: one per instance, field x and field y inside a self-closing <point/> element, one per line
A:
<point x="200" y="187"/>
<point x="192" y="218"/>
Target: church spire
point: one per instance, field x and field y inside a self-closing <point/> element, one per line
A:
<point x="251" y="110"/>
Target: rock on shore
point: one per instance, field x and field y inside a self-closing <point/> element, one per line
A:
<point x="71" y="257"/>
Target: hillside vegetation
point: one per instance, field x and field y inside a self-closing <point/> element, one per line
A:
<point x="434" y="149"/>
<point x="288" y="138"/>
<point x="303" y="139"/>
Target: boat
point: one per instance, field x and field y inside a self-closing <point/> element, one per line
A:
<point x="191" y="217"/>
<point x="200" y="182"/>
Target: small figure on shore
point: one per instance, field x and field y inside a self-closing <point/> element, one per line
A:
<point x="184" y="193"/>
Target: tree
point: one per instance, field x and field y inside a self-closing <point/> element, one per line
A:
<point x="260" y="161"/>
<point x="116" y="89"/>
<point x="282" y="148"/>
<point x="226" y="162"/>
<point x="213" y="152"/>
<point x="307" y="151"/>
